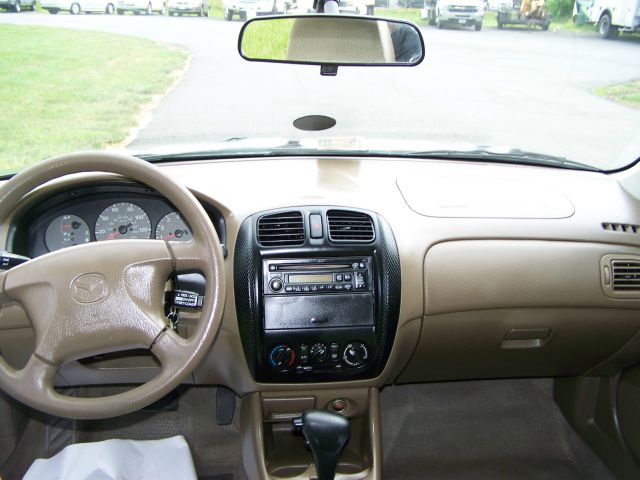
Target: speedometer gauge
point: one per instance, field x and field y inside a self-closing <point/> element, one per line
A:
<point x="172" y="227"/>
<point x="65" y="231"/>
<point x="123" y="220"/>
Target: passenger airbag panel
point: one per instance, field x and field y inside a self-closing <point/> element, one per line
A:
<point x="484" y="274"/>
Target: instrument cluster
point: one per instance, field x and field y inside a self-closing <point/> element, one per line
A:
<point x="105" y="214"/>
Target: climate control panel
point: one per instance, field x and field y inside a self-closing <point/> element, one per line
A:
<point x="318" y="357"/>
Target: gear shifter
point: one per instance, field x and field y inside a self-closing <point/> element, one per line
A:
<point x="326" y="434"/>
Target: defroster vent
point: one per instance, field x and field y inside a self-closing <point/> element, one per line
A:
<point x="281" y="229"/>
<point x="350" y="227"/>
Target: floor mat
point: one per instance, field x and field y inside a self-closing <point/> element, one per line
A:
<point x="481" y="430"/>
<point x="215" y="448"/>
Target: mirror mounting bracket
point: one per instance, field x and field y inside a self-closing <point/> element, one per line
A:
<point x="328" y="70"/>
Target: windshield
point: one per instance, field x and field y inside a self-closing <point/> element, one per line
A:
<point x="520" y="81"/>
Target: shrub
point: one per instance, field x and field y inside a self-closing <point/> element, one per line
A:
<point x="559" y="8"/>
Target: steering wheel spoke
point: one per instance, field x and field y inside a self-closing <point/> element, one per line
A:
<point x="171" y="349"/>
<point x="190" y="256"/>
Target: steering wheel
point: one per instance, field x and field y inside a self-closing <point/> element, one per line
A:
<point x="107" y="296"/>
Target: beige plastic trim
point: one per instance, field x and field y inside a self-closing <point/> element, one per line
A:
<point x="467" y="345"/>
<point x="487" y="274"/>
<point x="363" y="406"/>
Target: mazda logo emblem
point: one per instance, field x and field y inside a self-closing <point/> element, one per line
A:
<point x="89" y="288"/>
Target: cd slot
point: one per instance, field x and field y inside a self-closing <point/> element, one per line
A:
<point x="312" y="266"/>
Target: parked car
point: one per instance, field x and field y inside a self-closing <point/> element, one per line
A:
<point x="141" y="6"/>
<point x="467" y="13"/>
<point x="199" y="7"/>
<point x="252" y="8"/>
<point x="78" y="6"/>
<point x="610" y="16"/>
<point x="17" y="5"/>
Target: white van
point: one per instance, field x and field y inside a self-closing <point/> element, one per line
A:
<point x="250" y="8"/>
<point x="142" y="6"/>
<point x="611" y="16"/>
<point x="79" y="6"/>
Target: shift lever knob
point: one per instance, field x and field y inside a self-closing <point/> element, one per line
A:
<point x="326" y="434"/>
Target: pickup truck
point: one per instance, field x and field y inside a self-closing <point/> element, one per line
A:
<point x="454" y="12"/>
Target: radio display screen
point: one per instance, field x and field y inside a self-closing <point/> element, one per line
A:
<point x="306" y="278"/>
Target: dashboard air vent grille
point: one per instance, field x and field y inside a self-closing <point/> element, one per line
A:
<point x="621" y="227"/>
<point x="353" y="227"/>
<point x="626" y="275"/>
<point x="281" y="229"/>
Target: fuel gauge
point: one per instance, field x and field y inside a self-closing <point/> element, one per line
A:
<point x="65" y="231"/>
<point x="173" y="227"/>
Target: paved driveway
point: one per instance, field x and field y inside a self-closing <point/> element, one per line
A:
<point x="518" y="88"/>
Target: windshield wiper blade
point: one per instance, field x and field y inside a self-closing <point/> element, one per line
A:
<point x="294" y="148"/>
<point x="514" y="157"/>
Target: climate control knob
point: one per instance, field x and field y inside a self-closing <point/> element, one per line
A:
<point x="282" y="357"/>
<point x="318" y="352"/>
<point x="355" y="355"/>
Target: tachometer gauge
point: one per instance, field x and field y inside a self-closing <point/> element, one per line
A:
<point x="172" y="227"/>
<point x="65" y="231"/>
<point x="123" y="220"/>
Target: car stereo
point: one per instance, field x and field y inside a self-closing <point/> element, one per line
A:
<point x="317" y="276"/>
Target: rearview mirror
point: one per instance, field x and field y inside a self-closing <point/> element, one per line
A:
<point x="331" y="41"/>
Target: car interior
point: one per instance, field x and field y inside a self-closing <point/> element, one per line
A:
<point x="324" y="315"/>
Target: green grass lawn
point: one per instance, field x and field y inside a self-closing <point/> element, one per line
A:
<point x="626" y="93"/>
<point x="215" y="8"/>
<point x="267" y="40"/>
<point x="566" y="25"/>
<point x="65" y="90"/>
<point x="412" y="14"/>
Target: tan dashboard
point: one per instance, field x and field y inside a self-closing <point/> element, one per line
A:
<point x="485" y="291"/>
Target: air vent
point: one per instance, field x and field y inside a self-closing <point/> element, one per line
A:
<point x="281" y="230"/>
<point x="621" y="275"/>
<point x="350" y="227"/>
<point x="621" y="227"/>
<point x="626" y="275"/>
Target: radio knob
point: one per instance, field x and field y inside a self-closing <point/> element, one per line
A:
<point x="275" y="285"/>
<point x="355" y="354"/>
<point x="318" y="352"/>
<point x="282" y="357"/>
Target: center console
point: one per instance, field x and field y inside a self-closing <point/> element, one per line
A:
<point x="317" y="294"/>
